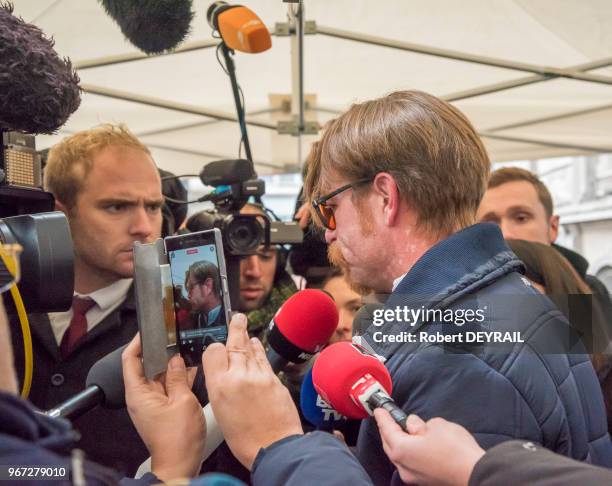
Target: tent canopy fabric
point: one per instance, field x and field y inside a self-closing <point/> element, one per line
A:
<point x="535" y="78"/>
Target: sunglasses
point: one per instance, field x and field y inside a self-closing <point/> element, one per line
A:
<point x="324" y="212"/>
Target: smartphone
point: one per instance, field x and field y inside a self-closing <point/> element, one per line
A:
<point x="201" y="296"/>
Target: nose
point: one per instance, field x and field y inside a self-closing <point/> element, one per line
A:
<point x="506" y="228"/>
<point x="330" y="236"/>
<point x="344" y="331"/>
<point x="252" y="268"/>
<point x="141" y="224"/>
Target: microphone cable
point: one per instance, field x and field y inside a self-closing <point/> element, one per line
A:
<point x="10" y="258"/>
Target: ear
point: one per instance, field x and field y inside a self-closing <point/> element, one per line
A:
<point x="553" y="232"/>
<point x="385" y="187"/>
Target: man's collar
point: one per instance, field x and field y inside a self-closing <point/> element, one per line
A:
<point x="462" y="263"/>
<point x="213" y="313"/>
<point x="398" y="280"/>
<point x="451" y="260"/>
<point x="111" y="294"/>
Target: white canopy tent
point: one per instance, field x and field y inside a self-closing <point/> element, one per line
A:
<point x="534" y="76"/>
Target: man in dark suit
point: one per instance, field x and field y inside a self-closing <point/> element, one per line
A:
<point x="106" y="183"/>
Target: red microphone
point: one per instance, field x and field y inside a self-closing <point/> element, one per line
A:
<point x="354" y="382"/>
<point x="301" y="327"/>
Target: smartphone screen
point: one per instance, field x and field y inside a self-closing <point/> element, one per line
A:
<point x="199" y="284"/>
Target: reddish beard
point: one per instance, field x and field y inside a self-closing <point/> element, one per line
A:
<point x="335" y="257"/>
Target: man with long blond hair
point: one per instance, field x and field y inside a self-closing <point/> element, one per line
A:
<point x="107" y="184"/>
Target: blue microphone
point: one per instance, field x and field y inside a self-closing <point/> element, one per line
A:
<point x="316" y="410"/>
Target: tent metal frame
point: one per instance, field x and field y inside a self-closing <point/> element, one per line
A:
<point x="538" y="74"/>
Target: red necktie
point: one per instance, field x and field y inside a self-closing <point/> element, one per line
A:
<point x="78" y="324"/>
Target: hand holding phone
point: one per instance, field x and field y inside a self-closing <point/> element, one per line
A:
<point x="201" y="297"/>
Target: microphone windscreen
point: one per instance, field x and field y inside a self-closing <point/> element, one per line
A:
<point x="153" y="26"/>
<point x="338" y="368"/>
<point x="227" y="172"/>
<point x="38" y="89"/>
<point x="242" y="30"/>
<point x="307" y="319"/>
<point x="107" y="373"/>
<point x="316" y="410"/>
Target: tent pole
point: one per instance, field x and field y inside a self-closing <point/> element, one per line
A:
<point x="462" y="56"/>
<point x="170" y="105"/>
<point x="138" y="56"/>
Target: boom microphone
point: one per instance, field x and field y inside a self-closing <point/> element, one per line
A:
<point x="153" y="26"/>
<point x="240" y="28"/>
<point x="354" y="382"/>
<point x="39" y="89"/>
<point x="301" y="327"/>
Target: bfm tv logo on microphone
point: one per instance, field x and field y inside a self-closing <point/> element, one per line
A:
<point x="328" y="412"/>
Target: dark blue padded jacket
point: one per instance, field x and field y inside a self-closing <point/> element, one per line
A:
<point x="543" y="389"/>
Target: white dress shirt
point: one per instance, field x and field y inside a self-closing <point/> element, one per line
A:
<point x="106" y="300"/>
<point x="397" y="281"/>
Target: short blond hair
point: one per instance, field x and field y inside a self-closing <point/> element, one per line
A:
<point x="71" y="160"/>
<point x="429" y="147"/>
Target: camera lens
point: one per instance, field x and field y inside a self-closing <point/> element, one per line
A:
<point x="244" y="234"/>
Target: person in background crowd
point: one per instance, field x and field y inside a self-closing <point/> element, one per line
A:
<point x="264" y="282"/>
<point x="521" y="204"/>
<point x="265" y="285"/>
<point x="553" y="275"/>
<point x="173" y="214"/>
<point x="107" y="184"/>
<point x="347" y="301"/>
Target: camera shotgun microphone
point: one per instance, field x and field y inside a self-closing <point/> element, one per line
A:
<point x="301" y="327"/>
<point x="104" y="387"/>
<point x="354" y="382"/>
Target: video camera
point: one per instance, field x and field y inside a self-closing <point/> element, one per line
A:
<point x="37" y="98"/>
<point x="235" y="181"/>
<point x="27" y="219"/>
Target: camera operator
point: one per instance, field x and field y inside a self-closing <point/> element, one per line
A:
<point x="265" y="284"/>
<point x="106" y="183"/>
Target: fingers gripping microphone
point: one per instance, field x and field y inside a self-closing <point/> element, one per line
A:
<point x="301" y="327"/>
<point x="354" y="382"/>
<point x="240" y="28"/>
